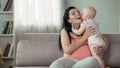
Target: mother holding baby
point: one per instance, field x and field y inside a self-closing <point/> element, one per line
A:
<point x="77" y="53"/>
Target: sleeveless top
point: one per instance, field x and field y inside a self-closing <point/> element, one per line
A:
<point x="82" y="52"/>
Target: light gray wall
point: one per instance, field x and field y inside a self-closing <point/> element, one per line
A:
<point x="107" y="13"/>
<point x="119" y="15"/>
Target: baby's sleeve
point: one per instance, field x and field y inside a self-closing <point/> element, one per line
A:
<point x="80" y="30"/>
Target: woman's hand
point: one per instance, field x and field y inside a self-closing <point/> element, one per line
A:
<point x="88" y="32"/>
<point x="99" y="49"/>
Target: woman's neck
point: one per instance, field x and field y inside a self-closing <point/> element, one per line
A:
<point x="76" y="26"/>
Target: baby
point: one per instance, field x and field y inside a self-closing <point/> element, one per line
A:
<point x="94" y="40"/>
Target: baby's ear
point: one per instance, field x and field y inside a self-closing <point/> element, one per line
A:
<point x="88" y="17"/>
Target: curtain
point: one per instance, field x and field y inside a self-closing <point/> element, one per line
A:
<point x="37" y="16"/>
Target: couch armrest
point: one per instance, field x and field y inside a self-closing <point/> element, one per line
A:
<point x="112" y="55"/>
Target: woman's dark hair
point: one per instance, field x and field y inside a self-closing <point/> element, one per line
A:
<point x="66" y="25"/>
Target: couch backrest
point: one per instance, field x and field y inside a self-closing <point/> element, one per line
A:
<point x="42" y="49"/>
<point x="37" y="49"/>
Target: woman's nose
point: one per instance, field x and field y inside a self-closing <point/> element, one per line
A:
<point x="78" y="14"/>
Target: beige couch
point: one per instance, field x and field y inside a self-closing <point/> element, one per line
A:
<point x="40" y="50"/>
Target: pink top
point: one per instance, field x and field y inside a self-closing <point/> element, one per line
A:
<point x="82" y="52"/>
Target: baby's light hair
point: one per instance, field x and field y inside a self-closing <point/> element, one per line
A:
<point x="91" y="11"/>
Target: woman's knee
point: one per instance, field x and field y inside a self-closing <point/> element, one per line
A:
<point x="89" y="62"/>
<point x="62" y="63"/>
<point x="92" y="62"/>
<point x="92" y="59"/>
<point x="57" y="63"/>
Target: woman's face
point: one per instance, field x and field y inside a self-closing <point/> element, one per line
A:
<point x="74" y="16"/>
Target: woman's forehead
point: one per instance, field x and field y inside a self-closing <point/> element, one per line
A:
<point x="74" y="10"/>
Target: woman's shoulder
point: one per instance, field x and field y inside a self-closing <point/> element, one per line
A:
<point x="63" y="31"/>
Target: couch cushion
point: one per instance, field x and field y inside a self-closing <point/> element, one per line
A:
<point x="33" y="53"/>
<point x="112" y="55"/>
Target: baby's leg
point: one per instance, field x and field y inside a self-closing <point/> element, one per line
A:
<point x="98" y="57"/>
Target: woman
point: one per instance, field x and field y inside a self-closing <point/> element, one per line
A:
<point x="76" y="50"/>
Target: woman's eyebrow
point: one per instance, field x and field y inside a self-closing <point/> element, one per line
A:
<point x="78" y="11"/>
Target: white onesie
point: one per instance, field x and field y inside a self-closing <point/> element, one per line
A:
<point x="93" y="39"/>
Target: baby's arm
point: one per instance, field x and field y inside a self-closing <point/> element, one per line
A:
<point x="80" y="30"/>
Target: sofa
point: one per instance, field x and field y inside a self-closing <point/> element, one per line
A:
<point x="39" y="50"/>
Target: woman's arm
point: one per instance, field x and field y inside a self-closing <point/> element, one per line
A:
<point x="69" y="47"/>
<point x="66" y="43"/>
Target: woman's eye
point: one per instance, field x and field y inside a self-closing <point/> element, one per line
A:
<point x="78" y="12"/>
<point x="73" y="14"/>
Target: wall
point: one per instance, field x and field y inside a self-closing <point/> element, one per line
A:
<point x="119" y="15"/>
<point x="107" y="13"/>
